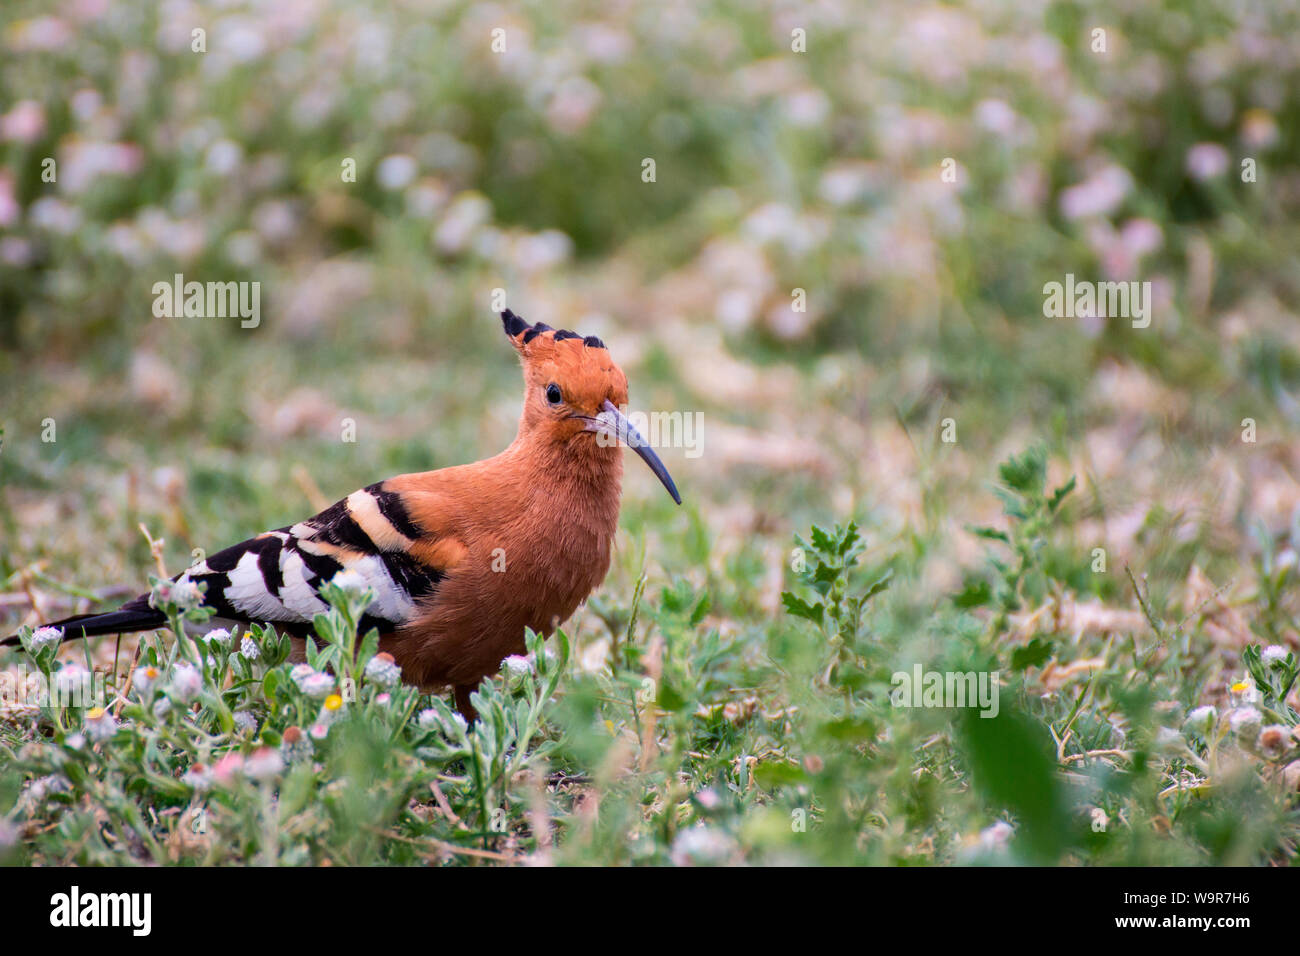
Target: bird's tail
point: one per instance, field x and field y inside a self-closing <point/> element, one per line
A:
<point x="135" y="615"/>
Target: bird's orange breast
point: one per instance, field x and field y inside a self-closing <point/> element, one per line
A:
<point x="534" y="541"/>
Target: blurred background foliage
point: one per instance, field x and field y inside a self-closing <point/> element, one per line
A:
<point x="775" y="170"/>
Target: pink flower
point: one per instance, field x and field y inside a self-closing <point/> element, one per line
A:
<point x="1098" y="195"/>
<point x="9" y="208"/>
<point x="1258" y="129"/>
<point x="265" y="764"/>
<point x="25" y="123"/>
<point x="86" y="160"/>
<point x="1207" y="161"/>
<point x="227" y="768"/>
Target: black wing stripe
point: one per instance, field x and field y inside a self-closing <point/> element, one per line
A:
<point x="321" y="565"/>
<point x="268" y="562"/>
<point x="391" y="507"/>
<point x="414" y="577"/>
<point x="336" y="526"/>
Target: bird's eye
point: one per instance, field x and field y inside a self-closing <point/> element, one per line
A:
<point x="553" y="394"/>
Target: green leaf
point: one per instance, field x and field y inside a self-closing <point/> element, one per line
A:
<point x="701" y="609"/>
<point x="879" y="586"/>
<point x="1014" y="765"/>
<point x="1031" y="655"/>
<point x="669" y="698"/>
<point x="1254" y="662"/>
<point x="822" y="541"/>
<point x="1059" y="494"/>
<point x="848" y="539"/>
<point x="852" y="730"/>
<point x="800" y="608"/>
<point x="1025" y="473"/>
<point x="974" y="594"/>
<point x="772" y="774"/>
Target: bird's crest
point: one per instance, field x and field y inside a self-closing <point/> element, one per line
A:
<point x="536" y="339"/>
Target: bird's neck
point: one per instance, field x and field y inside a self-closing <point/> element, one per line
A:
<point x="579" y="472"/>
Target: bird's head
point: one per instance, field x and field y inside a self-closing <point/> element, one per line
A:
<point x="573" y="393"/>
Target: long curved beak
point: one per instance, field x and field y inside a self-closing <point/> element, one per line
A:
<point x="613" y="424"/>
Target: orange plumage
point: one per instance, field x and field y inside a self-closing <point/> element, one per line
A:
<point x="461" y="559"/>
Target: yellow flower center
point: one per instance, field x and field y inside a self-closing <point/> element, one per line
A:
<point x="333" y="702"/>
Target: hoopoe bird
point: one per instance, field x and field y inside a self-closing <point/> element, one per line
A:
<point x="461" y="559"/>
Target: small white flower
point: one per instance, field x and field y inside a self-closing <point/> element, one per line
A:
<point x="44" y="637"/>
<point x="300" y="672"/>
<point x="75" y="741"/>
<point x="265" y="763"/>
<point x="99" y="724"/>
<point x="245" y="721"/>
<point x="518" y="665"/>
<point x="1245" y="721"/>
<point x="72" y="679"/>
<point x="1200" y="720"/>
<point x="162" y="707"/>
<point x="396" y="171"/>
<point x="351" y="583"/>
<point x="319" y="731"/>
<point x="1169" y="740"/>
<point x="996" y="836"/>
<point x="317" y="686"/>
<point x="311" y="682"/>
<point x="1244" y="691"/>
<point x="1274" y="655"/>
<point x="1272" y="740"/>
<point x="248" y="648"/>
<point x="331" y="710"/>
<point x="186" y="594"/>
<point x="144" y="679"/>
<point x="186" y="682"/>
<point x="708" y="798"/>
<point x="382" y="669"/>
<point x="161" y="594"/>
<point x="383" y="700"/>
<point x="701" y="845"/>
<point x="42" y="787"/>
<point x="295" y="745"/>
<point x="198" y="776"/>
<point x="218" y="638"/>
<point x="430" y="720"/>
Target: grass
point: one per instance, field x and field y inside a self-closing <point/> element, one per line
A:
<point x="921" y="469"/>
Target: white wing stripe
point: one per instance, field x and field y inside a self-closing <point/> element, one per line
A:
<point x="391" y="602"/>
<point x="298" y="596"/>
<point x="248" y="592"/>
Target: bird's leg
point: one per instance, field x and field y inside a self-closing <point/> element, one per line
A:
<point x="463" y="705"/>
